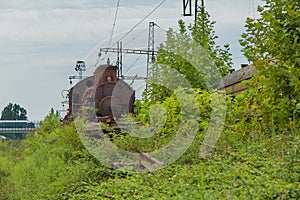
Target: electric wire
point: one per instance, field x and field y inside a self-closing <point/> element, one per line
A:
<point x="253" y="9"/>
<point x="111" y="35"/>
<point x="129" y="68"/>
<point x="252" y="5"/>
<point x="137" y="59"/>
<point x="114" y="23"/>
<point x="135" y="37"/>
<point x="134" y="27"/>
<point x="129" y="41"/>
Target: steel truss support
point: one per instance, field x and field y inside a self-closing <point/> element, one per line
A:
<point x="151" y="52"/>
<point x="187" y="8"/>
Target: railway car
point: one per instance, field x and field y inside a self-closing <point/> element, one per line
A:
<point x="108" y="95"/>
<point x="233" y="82"/>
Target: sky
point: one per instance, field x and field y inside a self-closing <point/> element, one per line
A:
<point x="40" y="41"/>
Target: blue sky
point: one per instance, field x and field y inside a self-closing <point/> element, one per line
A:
<point x="40" y="41"/>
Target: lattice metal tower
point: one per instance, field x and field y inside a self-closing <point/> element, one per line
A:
<point x="187" y="8"/>
<point x="151" y="48"/>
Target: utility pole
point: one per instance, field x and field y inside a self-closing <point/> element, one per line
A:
<point x="197" y="8"/>
<point x="119" y="50"/>
<point x="151" y="47"/>
<point x="150" y="52"/>
<point x="187" y="8"/>
<point x="118" y="58"/>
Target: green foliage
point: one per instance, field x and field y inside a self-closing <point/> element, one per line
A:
<point x="272" y="44"/>
<point x="204" y="34"/>
<point x="257" y="155"/>
<point x="13" y="112"/>
<point x="57" y="166"/>
<point x="169" y="64"/>
<point x="47" y="166"/>
<point x="162" y="121"/>
<point x="50" y="123"/>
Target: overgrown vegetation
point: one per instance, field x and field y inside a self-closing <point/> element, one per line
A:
<point x="256" y="157"/>
<point x="272" y="44"/>
<point x="173" y="58"/>
<point x="57" y="166"/>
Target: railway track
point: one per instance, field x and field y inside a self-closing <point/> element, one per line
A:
<point x="144" y="160"/>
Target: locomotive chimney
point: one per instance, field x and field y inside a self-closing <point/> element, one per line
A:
<point x="105" y="73"/>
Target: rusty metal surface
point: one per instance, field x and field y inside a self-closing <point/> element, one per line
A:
<point x="235" y="77"/>
<point x="99" y="90"/>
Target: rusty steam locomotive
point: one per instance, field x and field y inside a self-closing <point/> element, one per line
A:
<point x="110" y="96"/>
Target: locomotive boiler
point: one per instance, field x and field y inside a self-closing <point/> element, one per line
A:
<point x="109" y="96"/>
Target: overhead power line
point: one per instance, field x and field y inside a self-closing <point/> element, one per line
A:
<point x="137" y="36"/>
<point x="251" y="4"/>
<point x="134" y="27"/>
<point x="129" y="68"/>
<point x="114" y="24"/>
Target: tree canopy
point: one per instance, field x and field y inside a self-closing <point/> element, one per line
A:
<point x="200" y="35"/>
<point x="14" y="112"/>
<point x="272" y="44"/>
<point x="50" y="123"/>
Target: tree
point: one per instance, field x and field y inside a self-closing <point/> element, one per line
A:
<point x="187" y="70"/>
<point x="272" y="44"/>
<point x="14" y="112"/>
<point x="202" y="34"/>
<point x="50" y="123"/>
